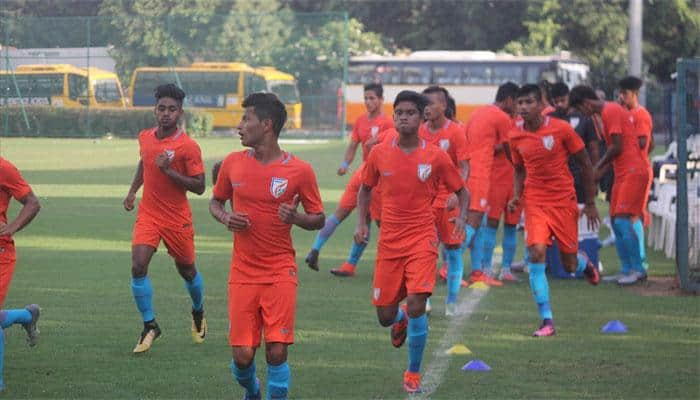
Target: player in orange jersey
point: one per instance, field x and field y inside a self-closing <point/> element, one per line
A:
<point x="410" y="171"/>
<point x="170" y="166"/>
<point x="12" y="185"/>
<point x="540" y="147"/>
<point x="486" y="129"/>
<point x="365" y="132"/>
<point x="265" y="186"/>
<point x="630" y="167"/>
<point x="440" y="131"/>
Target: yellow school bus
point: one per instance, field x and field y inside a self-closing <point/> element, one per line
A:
<point x="217" y="88"/>
<point x="60" y="85"/>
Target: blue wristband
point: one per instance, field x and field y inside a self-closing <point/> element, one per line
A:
<point x="344" y="164"/>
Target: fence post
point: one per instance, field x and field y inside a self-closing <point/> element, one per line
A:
<point x="89" y="87"/>
<point x="681" y="178"/>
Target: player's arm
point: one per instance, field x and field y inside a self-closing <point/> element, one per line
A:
<point x="30" y="208"/>
<point x="233" y="221"/>
<point x="613" y="151"/>
<point x="589" y="188"/>
<point x="194" y="184"/>
<point x="288" y="214"/>
<point x="518" y="184"/>
<point x="364" y="195"/>
<point x="463" y="201"/>
<point x="136" y="184"/>
<point x="349" y="157"/>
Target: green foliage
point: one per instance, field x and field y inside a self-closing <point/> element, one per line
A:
<point x="81" y="122"/>
<point x="544" y="30"/>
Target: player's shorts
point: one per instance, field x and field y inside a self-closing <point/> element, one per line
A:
<point x="499" y="196"/>
<point x="254" y="308"/>
<point x="180" y="243"/>
<point x="630" y="194"/>
<point x="8" y="260"/>
<point x="478" y="194"/>
<point x="348" y="201"/>
<point x="446" y="228"/>
<point x="544" y="222"/>
<point x="395" y="278"/>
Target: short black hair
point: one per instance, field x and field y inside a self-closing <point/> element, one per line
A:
<point x="545" y="88"/>
<point x="580" y="93"/>
<point x="377" y="88"/>
<point x="559" y="89"/>
<point x="506" y="91"/>
<point x="267" y="106"/>
<point x="437" y="89"/>
<point x="630" y="83"/>
<point x="414" y="97"/>
<point x="169" y="90"/>
<point x="529" y="89"/>
<point x="451" y="111"/>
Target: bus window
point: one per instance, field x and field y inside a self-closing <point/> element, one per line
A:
<point x="285" y="90"/>
<point x="477" y="74"/>
<point x="387" y="74"/>
<point x="77" y="86"/>
<point x="361" y="74"/>
<point x="416" y="74"/>
<point x="144" y="85"/>
<point x="447" y="74"/>
<point x="254" y="83"/>
<point x="533" y="74"/>
<point x="107" y="91"/>
<point x="33" y="89"/>
<point x="505" y="73"/>
<point x="208" y="89"/>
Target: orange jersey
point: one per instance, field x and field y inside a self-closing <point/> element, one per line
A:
<point x="409" y="184"/>
<point x="450" y="138"/>
<point x="487" y="127"/>
<point x="264" y="253"/>
<point x="643" y="127"/>
<point x="618" y="121"/>
<point x="365" y="129"/>
<point x="164" y="201"/>
<point x="12" y="185"/>
<point x="545" y="154"/>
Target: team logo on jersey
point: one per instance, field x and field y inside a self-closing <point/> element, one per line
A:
<point x="548" y="142"/>
<point x="376" y="293"/>
<point x="278" y="186"/>
<point x="170" y="154"/>
<point x="424" y="171"/>
<point x="574" y="122"/>
<point x="374" y="131"/>
<point x="444" y="144"/>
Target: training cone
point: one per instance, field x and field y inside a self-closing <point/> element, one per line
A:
<point x="614" y="326"/>
<point x="458" y="349"/>
<point x="479" y="286"/>
<point x="476" y="365"/>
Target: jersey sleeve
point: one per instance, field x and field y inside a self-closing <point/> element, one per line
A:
<point x="370" y="174"/>
<point x="193" y="160"/>
<point x="514" y="151"/>
<point x="461" y="147"/>
<point x="572" y="141"/>
<point x="613" y="120"/>
<point x="12" y="181"/>
<point x="644" y="125"/>
<point x="503" y="126"/>
<point x="448" y="174"/>
<point x="223" y="190"/>
<point x="355" y="136"/>
<point x="309" y="194"/>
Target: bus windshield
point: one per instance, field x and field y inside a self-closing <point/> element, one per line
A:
<point x="107" y="90"/>
<point x="34" y="89"/>
<point x="285" y="90"/>
<point x="203" y="88"/>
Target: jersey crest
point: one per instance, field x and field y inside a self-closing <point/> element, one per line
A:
<point x="574" y="122"/>
<point x="170" y="154"/>
<point x="444" y="144"/>
<point x="548" y="142"/>
<point x="374" y="131"/>
<point x="424" y="171"/>
<point x="278" y="186"/>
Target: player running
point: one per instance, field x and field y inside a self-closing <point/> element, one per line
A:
<point x="365" y="132"/>
<point x="265" y="186"/>
<point x="410" y="171"/>
<point x="170" y="166"/>
<point x="540" y="147"/>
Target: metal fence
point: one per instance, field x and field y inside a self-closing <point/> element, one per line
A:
<point x="61" y="70"/>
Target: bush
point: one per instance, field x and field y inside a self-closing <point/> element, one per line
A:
<point x="79" y="122"/>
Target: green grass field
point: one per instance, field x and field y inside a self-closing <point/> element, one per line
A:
<point x="74" y="260"/>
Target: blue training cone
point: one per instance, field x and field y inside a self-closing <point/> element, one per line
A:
<point x="614" y="326"/>
<point x="476" y="365"/>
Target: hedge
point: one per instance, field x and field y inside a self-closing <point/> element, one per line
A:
<point x="73" y="122"/>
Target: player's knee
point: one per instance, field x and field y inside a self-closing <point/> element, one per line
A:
<point x="139" y="269"/>
<point x="187" y="272"/>
<point x="275" y="353"/>
<point x="537" y="254"/>
<point x="243" y="356"/>
<point x="386" y="317"/>
<point x="416" y="305"/>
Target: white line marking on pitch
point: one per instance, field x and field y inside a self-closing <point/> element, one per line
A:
<point x="435" y="371"/>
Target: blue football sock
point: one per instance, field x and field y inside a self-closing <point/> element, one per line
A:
<point x="469" y="233"/>
<point x="477" y="250"/>
<point x="581" y="263"/>
<point x="625" y="262"/>
<point x="143" y="295"/>
<point x="399" y="315"/>
<point x="455" y="271"/>
<point x="246" y="378"/>
<point x="443" y="253"/>
<point x="510" y="242"/>
<point x="417" y="337"/>
<point x="629" y="241"/>
<point x="196" y="290"/>
<point x="489" y="244"/>
<point x="540" y="289"/>
<point x="2" y="357"/>
<point x="9" y="317"/>
<point x="278" y="377"/>
<point x="639" y="232"/>
<point x="356" y="251"/>
<point x="326" y="232"/>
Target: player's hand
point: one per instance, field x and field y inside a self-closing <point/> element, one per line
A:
<point x="5" y="230"/>
<point x="460" y="225"/>
<point x="361" y="233"/>
<point x="342" y="171"/>
<point x="513" y="204"/>
<point x="591" y="213"/>
<point x="129" y="201"/>
<point x="236" y="221"/>
<point x="163" y="161"/>
<point x="288" y="211"/>
<point x="452" y="202"/>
